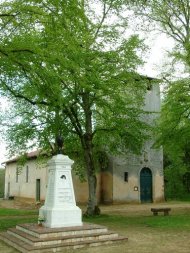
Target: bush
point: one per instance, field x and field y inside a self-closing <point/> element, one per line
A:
<point x="175" y="185"/>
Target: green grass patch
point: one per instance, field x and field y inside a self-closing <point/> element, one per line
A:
<point x="164" y="222"/>
<point x="12" y="222"/>
<point x="119" y="222"/>
<point x="184" y="198"/>
<point x="16" y="212"/>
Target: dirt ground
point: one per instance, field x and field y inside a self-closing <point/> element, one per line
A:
<point x="124" y="209"/>
<point x="18" y="204"/>
<point x="144" y="209"/>
<point x="141" y="240"/>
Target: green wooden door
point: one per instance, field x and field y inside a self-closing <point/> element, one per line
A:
<point x="146" y="185"/>
<point x="37" y="189"/>
<point x="9" y="188"/>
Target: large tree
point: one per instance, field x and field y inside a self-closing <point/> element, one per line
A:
<point x="174" y="135"/>
<point x="70" y="72"/>
<point x="173" y="18"/>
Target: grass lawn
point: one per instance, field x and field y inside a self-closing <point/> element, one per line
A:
<point x="12" y="217"/>
<point x="174" y="222"/>
<point x="16" y="212"/>
<point x="146" y="233"/>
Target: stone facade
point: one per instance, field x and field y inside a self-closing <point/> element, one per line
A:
<point x="17" y="185"/>
<point x="125" y="173"/>
<point x="130" y="178"/>
<point x="36" y="186"/>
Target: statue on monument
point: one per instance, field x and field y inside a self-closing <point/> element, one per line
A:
<point x="59" y="144"/>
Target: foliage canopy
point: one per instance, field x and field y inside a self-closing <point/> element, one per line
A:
<point x="70" y="72"/>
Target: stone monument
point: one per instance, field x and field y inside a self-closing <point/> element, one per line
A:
<point x="61" y="218"/>
<point x="60" y="208"/>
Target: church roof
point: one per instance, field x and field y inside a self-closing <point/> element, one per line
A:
<point x="30" y="155"/>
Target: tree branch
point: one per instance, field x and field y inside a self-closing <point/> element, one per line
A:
<point x="22" y="50"/>
<point x="17" y="95"/>
<point x="7" y="15"/>
<point x="74" y="120"/>
<point x="105" y="12"/>
<point x="104" y="130"/>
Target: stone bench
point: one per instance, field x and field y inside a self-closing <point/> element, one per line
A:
<point x="157" y="210"/>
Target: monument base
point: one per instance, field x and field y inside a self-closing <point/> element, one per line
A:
<point x="35" y="239"/>
<point x="70" y="216"/>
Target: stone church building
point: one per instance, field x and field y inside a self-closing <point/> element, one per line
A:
<point x="130" y="178"/>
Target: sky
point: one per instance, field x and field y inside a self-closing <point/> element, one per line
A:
<point x="157" y="55"/>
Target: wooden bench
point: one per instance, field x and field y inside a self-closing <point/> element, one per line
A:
<point x="157" y="210"/>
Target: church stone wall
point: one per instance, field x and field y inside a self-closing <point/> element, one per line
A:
<point x="27" y="190"/>
<point x="20" y="187"/>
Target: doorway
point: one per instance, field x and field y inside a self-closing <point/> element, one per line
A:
<point x="146" y="185"/>
<point x="37" y="190"/>
<point x="9" y="189"/>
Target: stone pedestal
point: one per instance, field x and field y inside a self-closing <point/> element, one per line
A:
<point x="60" y="208"/>
<point x="30" y="238"/>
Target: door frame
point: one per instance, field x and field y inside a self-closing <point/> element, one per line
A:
<point x="38" y="190"/>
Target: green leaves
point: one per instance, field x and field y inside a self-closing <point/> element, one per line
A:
<point x="174" y="136"/>
<point x="70" y="72"/>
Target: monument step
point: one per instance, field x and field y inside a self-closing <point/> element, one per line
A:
<point x="35" y="241"/>
<point x="42" y="232"/>
<point x="26" y="248"/>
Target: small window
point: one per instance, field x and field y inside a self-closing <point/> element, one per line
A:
<point x="126" y="176"/>
<point x="17" y="174"/>
<point x="27" y="174"/>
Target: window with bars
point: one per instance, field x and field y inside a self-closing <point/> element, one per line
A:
<point x="27" y="174"/>
<point x="17" y="172"/>
<point x="126" y="175"/>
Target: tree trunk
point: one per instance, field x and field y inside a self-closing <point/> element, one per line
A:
<point x="87" y="143"/>
<point x="92" y="207"/>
